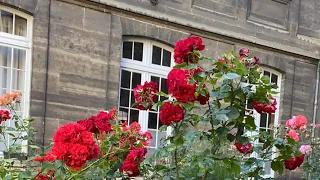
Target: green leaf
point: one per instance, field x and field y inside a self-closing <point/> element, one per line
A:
<point x="160" y="93"/>
<point x="222" y="117"/>
<point x="163" y="128"/>
<point x="233" y="114"/>
<point x="250" y="124"/>
<point x="277" y="166"/>
<point x="265" y="79"/>
<point x="231" y="137"/>
<point x="192" y="66"/>
<point x="231" y="76"/>
<point x="235" y="168"/>
<point x="184" y="64"/>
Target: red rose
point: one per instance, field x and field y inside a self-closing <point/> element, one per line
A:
<point x="4" y="115"/>
<point x="132" y="161"/>
<point x="75" y="145"/>
<point x="244" y="52"/>
<point x="49" y="158"/>
<point x="244" y="149"/>
<point x="100" y="122"/>
<point x="294" y="162"/>
<point x="146" y="93"/>
<point x="76" y="157"/>
<point x="265" y="108"/>
<point x="186" y="50"/>
<point x="171" y="113"/>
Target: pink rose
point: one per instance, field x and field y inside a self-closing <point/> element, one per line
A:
<point x="305" y="149"/>
<point x="294" y="135"/>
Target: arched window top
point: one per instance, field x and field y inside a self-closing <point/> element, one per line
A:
<point x="147" y="55"/>
<point x="15" y="25"/>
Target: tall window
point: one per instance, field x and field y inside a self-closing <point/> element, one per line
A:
<point x="266" y="122"/>
<point x="143" y="60"/>
<point x="15" y="58"/>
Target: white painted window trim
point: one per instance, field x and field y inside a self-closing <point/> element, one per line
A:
<point x="24" y="43"/>
<point x="257" y="117"/>
<point x="147" y="69"/>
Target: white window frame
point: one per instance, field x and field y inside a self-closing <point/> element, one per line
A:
<point x="257" y="117"/>
<point x="23" y="43"/>
<point x="147" y="69"/>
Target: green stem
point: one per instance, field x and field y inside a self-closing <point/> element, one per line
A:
<point x="176" y="163"/>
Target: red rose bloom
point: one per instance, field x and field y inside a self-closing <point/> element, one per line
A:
<point x="265" y="108"/>
<point x="244" y="149"/>
<point x="48" y="158"/>
<point x="171" y="113"/>
<point x="179" y="87"/>
<point x="244" y="52"/>
<point x="132" y="161"/>
<point x="186" y="50"/>
<point x="75" y="145"/>
<point x="100" y="122"/>
<point x="48" y="175"/>
<point x="4" y="115"/>
<point x="146" y="93"/>
<point x="294" y="162"/>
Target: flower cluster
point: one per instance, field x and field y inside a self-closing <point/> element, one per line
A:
<point x="186" y="50"/>
<point x="9" y="98"/>
<point x="179" y="87"/>
<point x="133" y="160"/>
<point x="100" y="122"/>
<point x="243" y="56"/>
<point x="294" y="162"/>
<point x="145" y="95"/>
<point x="243" y="148"/>
<point x="170" y="113"/>
<point x="75" y="145"/>
<point x="4" y="115"/>
<point x="48" y="175"/>
<point x="297" y="122"/>
<point x="132" y="135"/>
<point x="293" y="124"/>
<point x="49" y="157"/>
<point x="261" y="107"/>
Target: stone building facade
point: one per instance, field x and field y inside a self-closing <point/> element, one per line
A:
<point x="76" y="48"/>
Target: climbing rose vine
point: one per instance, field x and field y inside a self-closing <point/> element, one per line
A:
<point x="207" y="129"/>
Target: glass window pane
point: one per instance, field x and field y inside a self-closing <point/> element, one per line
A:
<point x="161" y="138"/>
<point x="19" y="59"/>
<point x="5" y="56"/>
<point x="20" y="27"/>
<point x="124" y="98"/>
<point x="132" y="99"/>
<point x="152" y="120"/>
<point x="125" y="79"/>
<point x="156" y="55"/>
<point x="6" y="22"/>
<point x="134" y="116"/>
<point x="155" y="79"/>
<point x="154" y="137"/>
<point x="123" y="114"/>
<point x="267" y="167"/>
<point x="263" y="120"/>
<point x="5" y="75"/>
<point x="274" y="79"/>
<point x="271" y="121"/>
<point x="138" y="51"/>
<point x="136" y="79"/>
<point x="249" y="104"/>
<point x="3" y="91"/>
<point x="127" y="50"/>
<point x="166" y="59"/>
<point x="18" y="79"/>
<point x="164" y="86"/>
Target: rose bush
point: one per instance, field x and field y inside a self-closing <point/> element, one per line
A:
<point x="215" y="97"/>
